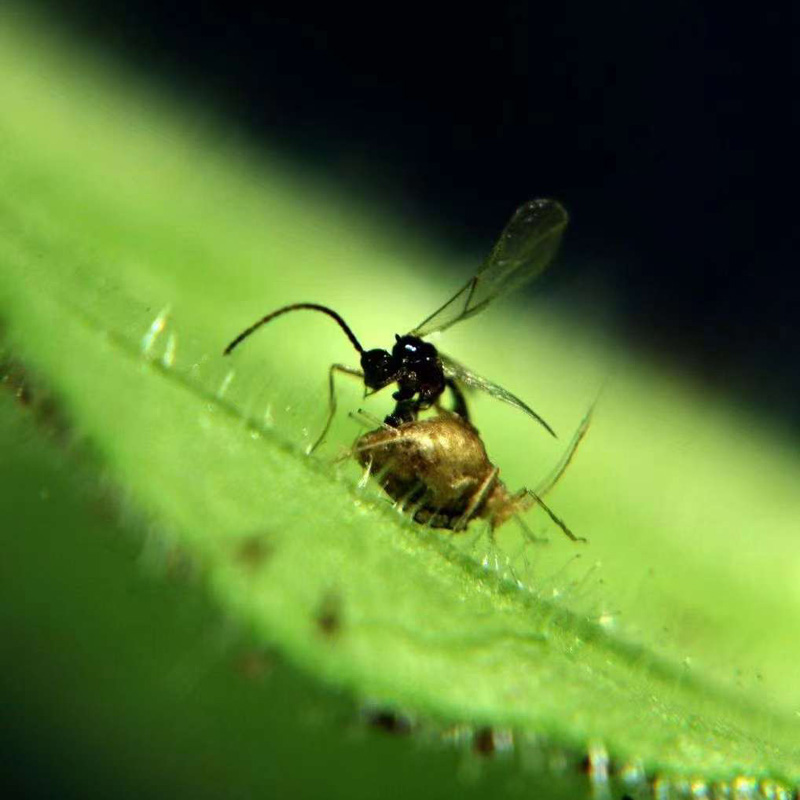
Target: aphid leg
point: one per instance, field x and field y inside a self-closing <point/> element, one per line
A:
<point x="554" y="477"/>
<point x="381" y="474"/>
<point x="433" y="513"/>
<point x="367" y="420"/>
<point x="400" y="437"/>
<point x="528" y="533"/>
<point x="364" y="480"/>
<point x="332" y="398"/>
<point x="474" y="502"/>
<point x="551" y="480"/>
<point x="557" y="520"/>
<point x="477" y="537"/>
<point x="412" y="494"/>
<point x="419" y="506"/>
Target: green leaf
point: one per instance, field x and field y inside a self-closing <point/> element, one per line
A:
<point x="137" y="239"/>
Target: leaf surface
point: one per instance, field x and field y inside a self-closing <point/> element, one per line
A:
<point x="135" y="241"/>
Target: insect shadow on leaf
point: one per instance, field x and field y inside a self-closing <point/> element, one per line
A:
<point x="525" y="248"/>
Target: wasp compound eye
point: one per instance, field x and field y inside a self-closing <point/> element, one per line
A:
<point x="379" y="368"/>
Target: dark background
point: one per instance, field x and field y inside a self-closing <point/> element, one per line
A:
<point x="666" y="129"/>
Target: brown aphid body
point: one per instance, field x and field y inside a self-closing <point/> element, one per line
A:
<point x="438" y="468"/>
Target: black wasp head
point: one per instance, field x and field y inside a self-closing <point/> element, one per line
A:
<point x="380" y="368"/>
<point x="412" y="352"/>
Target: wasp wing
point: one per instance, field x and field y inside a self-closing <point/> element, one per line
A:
<point x="525" y="247"/>
<point x="458" y="372"/>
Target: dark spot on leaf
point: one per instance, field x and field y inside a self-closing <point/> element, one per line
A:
<point x="179" y="565"/>
<point x="253" y="551"/>
<point x="255" y="665"/>
<point x="329" y="615"/>
<point x="483" y="742"/>
<point x="106" y="504"/>
<point x="388" y="722"/>
<point x="30" y="395"/>
<point x="15" y="381"/>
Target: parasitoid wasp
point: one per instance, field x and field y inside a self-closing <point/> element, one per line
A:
<point x="525" y="248"/>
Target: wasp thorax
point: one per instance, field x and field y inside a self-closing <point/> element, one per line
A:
<point x="419" y="371"/>
<point x="411" y="350"/>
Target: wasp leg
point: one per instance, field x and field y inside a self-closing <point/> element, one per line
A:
<point x="406" y="410"/>
<point x="355" y="373"/>
<point x="459" y="401"/>
<point x="474" y="502"/>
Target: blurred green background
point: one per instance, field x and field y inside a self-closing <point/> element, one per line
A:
<point x="137" y="659"/>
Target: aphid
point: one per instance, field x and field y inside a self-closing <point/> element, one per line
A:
<point x="439" y="471"/>
<point x="526" y="246"/>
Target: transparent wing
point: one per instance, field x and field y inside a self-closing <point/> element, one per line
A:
<point x="464" y="376"/>
<point x="525" y="248"/>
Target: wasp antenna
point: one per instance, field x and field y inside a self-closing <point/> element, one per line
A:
<point x="296" y="307"/>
